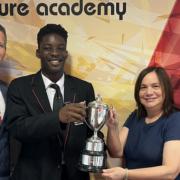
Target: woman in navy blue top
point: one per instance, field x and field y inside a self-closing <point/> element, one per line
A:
<point x="149" y="141"/>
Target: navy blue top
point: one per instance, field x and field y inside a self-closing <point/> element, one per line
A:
<point x="144" y="146"/>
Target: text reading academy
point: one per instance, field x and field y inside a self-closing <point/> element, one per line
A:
<point x="77" y="8"/>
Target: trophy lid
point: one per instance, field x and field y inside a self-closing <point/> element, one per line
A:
<point x="98" y="102"/>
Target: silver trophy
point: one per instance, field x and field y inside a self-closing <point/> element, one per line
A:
<point x="93" y="157"/>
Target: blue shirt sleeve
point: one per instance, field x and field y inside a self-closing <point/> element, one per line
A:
<point x="129" y="122"/>
<point x="172" y="128"/>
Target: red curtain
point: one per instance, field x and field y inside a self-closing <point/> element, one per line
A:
<point x="167" y="52"/>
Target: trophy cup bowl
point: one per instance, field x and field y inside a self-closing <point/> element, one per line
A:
<point x="93" y="157"/>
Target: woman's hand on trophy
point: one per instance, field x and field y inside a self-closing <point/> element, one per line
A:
<point x="116" y="173"/>
<point x="72" y="112"/>
<point x="112" y="121"/>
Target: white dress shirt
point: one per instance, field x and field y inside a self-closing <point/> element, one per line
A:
<point x="2" y="105"/>
<point x="51" y="91"/>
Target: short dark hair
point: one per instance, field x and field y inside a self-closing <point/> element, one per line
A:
<point x="3" y="30"/>
<point x="165" y="84"/>
<point x="49" y="29"/>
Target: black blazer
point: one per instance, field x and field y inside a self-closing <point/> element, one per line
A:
<point x="32" y="122"/>
<point x="4" y="144"/>
<point x="3" y="89"/>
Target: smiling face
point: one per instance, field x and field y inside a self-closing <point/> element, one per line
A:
<point x="2" y="46"/>
<point x="151" y="93"/>
<point x="52" y="52"/>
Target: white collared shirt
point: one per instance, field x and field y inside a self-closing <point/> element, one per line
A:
<point x="51" y="91"/>
<point x="2" y="105"/>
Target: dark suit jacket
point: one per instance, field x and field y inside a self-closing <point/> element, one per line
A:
<point x="4" y="144"/>
<point x="3" y="89"/>
<point x="32" y="122"/>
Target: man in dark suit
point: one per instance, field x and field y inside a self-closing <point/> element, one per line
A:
<point x="3" y="87"/>
<point x="52" y="140"/>
<point x="3" y="91"/>
<point x="4" y="145"/>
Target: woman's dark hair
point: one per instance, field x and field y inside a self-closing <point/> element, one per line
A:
<point x="166" y="87"/>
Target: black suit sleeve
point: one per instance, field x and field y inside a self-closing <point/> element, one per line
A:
<point x="23" y="124"/>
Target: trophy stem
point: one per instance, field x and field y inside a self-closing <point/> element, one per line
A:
<point x="95" y="136"/>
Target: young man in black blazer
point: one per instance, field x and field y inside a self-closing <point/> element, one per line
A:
<point x="51" y="140"/>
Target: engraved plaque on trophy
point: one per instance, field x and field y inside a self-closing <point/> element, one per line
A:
<point x="93" y="157"/>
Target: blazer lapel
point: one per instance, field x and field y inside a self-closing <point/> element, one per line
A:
<point x="39" y="92"/>
<point x="69" y="90"/>
<point x="3" y="89"/>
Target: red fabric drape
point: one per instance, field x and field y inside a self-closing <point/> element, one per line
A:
<point x="167" y="52"/>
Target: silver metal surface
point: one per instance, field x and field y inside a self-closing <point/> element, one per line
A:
<point x="96" y="161"/>
<point x="97" y="114"/>
<point x="97" y="146"/>
<point x="93" y="156"/>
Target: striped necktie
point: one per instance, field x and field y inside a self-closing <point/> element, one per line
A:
<point x="58" y="99"/>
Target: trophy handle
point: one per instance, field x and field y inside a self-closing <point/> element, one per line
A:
<point x="88" y="124"/>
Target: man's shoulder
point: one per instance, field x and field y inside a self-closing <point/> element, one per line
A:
<point x="22" y="80"/>
<point x="76" y="79"/>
